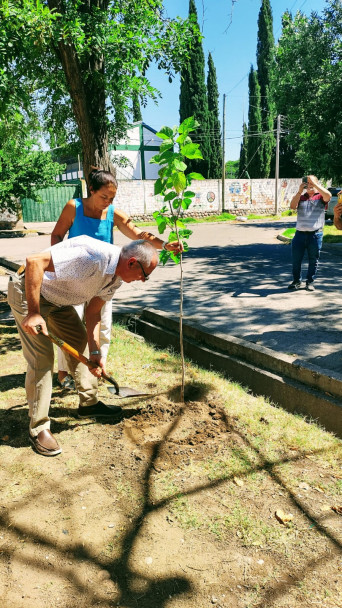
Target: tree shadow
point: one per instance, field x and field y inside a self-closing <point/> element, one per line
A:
<point x="155" y="590"/>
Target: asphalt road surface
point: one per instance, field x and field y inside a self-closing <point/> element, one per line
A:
<point x="235" y="281"/>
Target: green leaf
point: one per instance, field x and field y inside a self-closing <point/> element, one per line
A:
<point x="161" y="223"/>
<point x="180" y="223"/>
<point x="176" y="203"/>
<point x="189" y="124"/>
<point x="166" y="145"/>
<point x="184" y="233"/>
<point x="170" y="196"/>
<point x="179" y="181"/>
<point x="154" y="160"/>
<point x="191" y="151"/>
<point x="190" y="194"/>
<point x="173" y="236"/>
<point x="158" y="186"/>
<point x="197" y="176"/>
<point x="179" y="165"/>
<point x="186" y="202"/>
<point x="165" y="133"/>
<point x="164" y="256"/>
<point x="175" y="257"/>
<point x="166" y="156"/>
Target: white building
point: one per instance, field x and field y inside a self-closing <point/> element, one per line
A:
<point x="139" y="145"/>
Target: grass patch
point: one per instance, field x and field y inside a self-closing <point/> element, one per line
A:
<point x="330" y="234"/>
<point x="223" y="217"/>
<point x="185" y="487"/>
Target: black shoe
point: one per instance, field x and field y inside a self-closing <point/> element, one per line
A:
<point x="99" y="410"/>
<point x="294" y="286"/>
<point x="309" y="286"/>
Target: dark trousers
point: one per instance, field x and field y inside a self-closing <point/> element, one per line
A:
<point x="310" y="242"/>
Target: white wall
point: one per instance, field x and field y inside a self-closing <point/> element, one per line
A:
<point x="241" y="195"/>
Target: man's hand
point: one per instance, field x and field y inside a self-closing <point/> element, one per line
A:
<point x="302" y="187"/>
<point x="100" y="362"/>
<point x="30" y="323"/>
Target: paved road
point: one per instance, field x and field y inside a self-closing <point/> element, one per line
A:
<point x="236" y="278"/>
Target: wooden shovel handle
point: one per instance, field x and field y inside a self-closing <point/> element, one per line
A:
<point x="69" y="349"/>
<point x="77" y="355"/>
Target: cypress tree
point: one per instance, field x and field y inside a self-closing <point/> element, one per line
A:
<point x="136" y="111"/>
<point x="243" y="169"/>
<point x="265" y="64"/>
<point x="215" y="148"/>
<point x="254" y="127"/>
<point x="193" y="98"/>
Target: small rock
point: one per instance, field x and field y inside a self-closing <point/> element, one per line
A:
<point x="214" y="600"/>
<point x="148" y="561"/>
<point x="103" y="575"/>
<point x="110" y="525"/>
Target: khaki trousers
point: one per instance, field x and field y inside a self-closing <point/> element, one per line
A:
<point x="64" y="322"/>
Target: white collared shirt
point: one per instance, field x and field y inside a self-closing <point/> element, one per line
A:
<point x="84" y="268"/>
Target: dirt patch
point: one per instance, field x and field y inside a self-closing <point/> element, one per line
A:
<point x="172" y="506"/>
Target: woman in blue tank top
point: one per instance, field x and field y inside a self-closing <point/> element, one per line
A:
<point x="95" y="216"/>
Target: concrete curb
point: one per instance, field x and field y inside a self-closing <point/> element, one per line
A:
<point x="9" y="265"/>
<point x="296" y="386"/>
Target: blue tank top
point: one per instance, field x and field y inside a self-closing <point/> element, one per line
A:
<point x="98" y="229"/>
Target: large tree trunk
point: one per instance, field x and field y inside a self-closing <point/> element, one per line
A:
<point x="88" y="96"/>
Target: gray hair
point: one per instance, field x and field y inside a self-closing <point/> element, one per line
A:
<point x="141" y="250"/>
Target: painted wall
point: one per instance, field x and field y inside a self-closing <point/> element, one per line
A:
<point x="136" y="197"/>
<point x="241" y="196"/>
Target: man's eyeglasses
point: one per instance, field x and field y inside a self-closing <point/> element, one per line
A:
<point x="146" y="276"/>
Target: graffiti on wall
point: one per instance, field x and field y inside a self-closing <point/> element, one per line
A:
<point x="136" y="197"/>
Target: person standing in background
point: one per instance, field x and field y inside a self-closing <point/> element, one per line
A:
<point x="308" y="237"/>
<point x="95" y="216"/>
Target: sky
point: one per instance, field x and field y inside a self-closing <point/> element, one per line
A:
<point x="230" y="33"/>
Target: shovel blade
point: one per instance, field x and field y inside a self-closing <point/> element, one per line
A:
<point x="126" y="391"/>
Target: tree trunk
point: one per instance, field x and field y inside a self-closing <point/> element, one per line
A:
<point x="88" y="96"/>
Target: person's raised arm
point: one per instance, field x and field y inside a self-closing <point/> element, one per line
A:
<point x="34" y="271"/>
<point x="326" y="195"/>
<point x="295" y="200"/>
<point x="129" y="229"/>
<point x="65" y="220"/>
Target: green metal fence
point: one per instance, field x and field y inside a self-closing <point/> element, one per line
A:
<point x="54" y="199"/>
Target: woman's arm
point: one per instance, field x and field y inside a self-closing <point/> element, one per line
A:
<point x="129" y="229"/>
<point x="65" y="220"/>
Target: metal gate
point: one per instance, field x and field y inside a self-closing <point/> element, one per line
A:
<point x="54" y="199"/>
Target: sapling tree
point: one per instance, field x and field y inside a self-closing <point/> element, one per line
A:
<point x="173" y="185"/>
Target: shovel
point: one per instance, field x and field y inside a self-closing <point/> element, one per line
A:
<point x="122" y="391"/>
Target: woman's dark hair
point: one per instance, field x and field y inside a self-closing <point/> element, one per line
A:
<point x="98" y="178"/>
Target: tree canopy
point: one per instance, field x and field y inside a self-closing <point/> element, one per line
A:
<point x="307" y="89"/>
<point x="78" y="65"/>
<point x="193" y="96"/>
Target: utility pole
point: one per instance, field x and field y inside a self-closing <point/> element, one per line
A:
<point x="277" y="166"/>
<point x="223" y="151"/>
